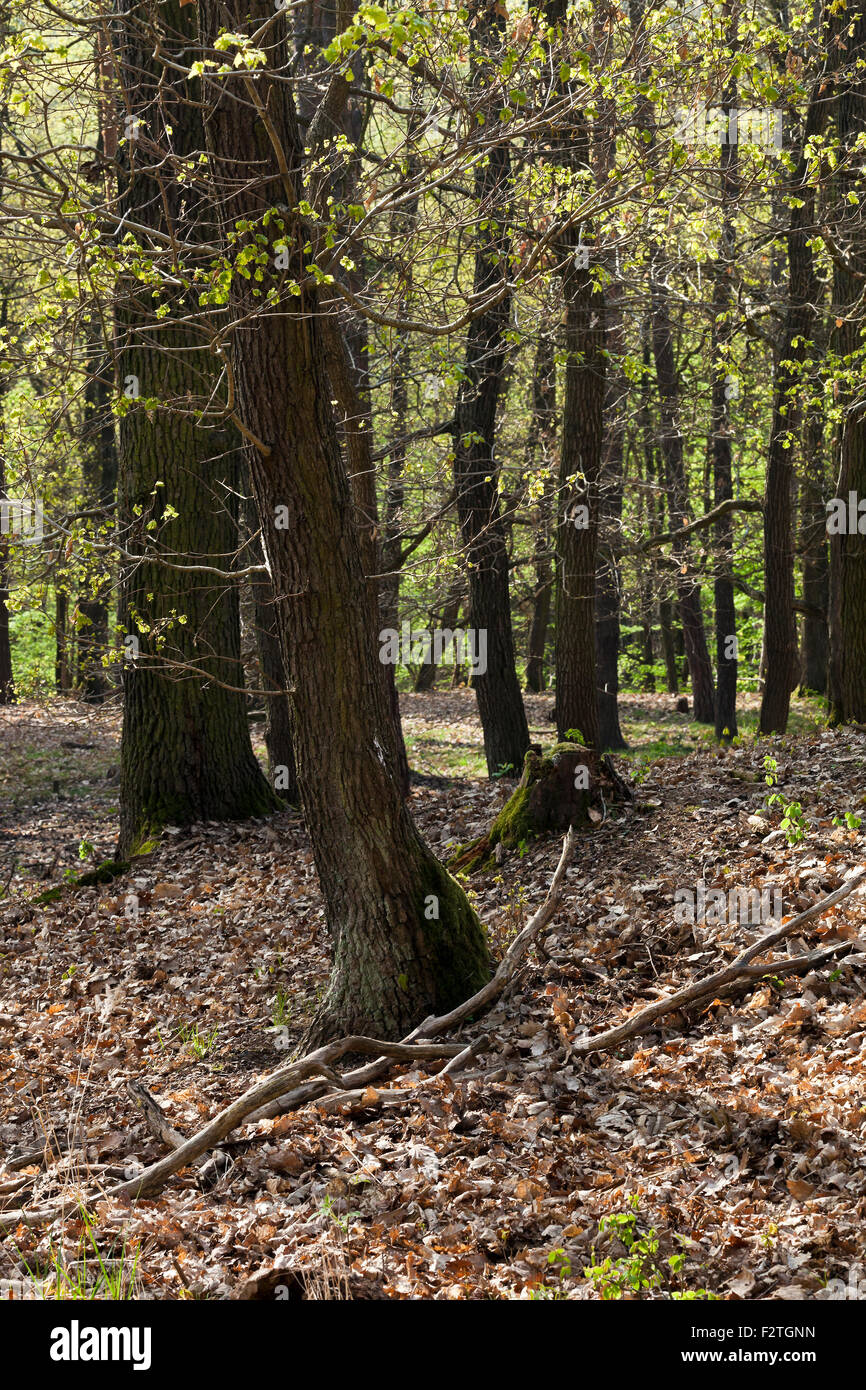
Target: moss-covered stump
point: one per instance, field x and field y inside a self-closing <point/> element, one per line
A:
<point x="553" y="793"/>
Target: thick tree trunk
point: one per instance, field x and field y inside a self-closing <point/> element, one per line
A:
<point x="406" y="941"/>
<point x="497" y="690"/>
<point x="185" y="749"/>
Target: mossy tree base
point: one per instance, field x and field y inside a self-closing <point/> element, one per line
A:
<point x="554" y="793"/>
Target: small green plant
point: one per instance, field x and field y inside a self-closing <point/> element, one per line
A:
<point x="92" y="1274"/>
<point x="327" y="1209"/>
<point x="86" y="850"/>
<point x="199" y="1043"/>
<point x="849" y="821"/>
<point x="793" y="821"/>
<point x="560" y="1270"/>
<point x="637" y="1272"/>
<point x="281" y="1016"/>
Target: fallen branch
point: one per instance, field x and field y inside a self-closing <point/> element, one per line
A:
<point x="692" y="994"/>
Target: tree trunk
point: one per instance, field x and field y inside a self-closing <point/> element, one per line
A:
<point x="185" y="750"/>
<point x="813" y="546"/>
<point x="608" y="583"/>
<point x="671" y="444"/>
<point x="278" y="728"/>
<point x="7" y="683"/>
<point x="780" y="629"/>
<point x="406" y="941"/>
<point x="723" y="487"/>
<point x="497" y="690"/>
<point x="848" y="546"/>
<point x="542" y="430"/>
<point x="99" y="470"/>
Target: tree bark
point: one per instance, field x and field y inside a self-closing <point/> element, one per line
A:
<point x="848" y="548"/>
<point x="406" y="941"/>
<point x="780" y="630"/>
<point x="185" y="749"/>
<point x="542" y="430"/>
<point x="7" y="682"/>
<point x="723" y="486"/>
<point x="497" y="690"/>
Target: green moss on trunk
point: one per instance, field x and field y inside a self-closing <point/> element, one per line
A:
<point x="553" y="793"/>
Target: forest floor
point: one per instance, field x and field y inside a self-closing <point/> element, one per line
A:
<point x="731" y="1141"/>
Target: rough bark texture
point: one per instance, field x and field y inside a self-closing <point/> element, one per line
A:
<point x="553" y="793"/>
<point x="676" y="483"/>
<point x="608" y="586"/>
<point x="500" y="704"/>
<point x="7" y="683"/>
<point x="406" y="941"/>
<point x="99" y="476"/>
<point x="780" y="629"/>
<point x="723" y="488"/>
<point x="185" y="749"/>
<point x="278" y="728"/>
<point x="848" y="603"/>
<point x="816" y="564"/>
<point x="542" y="431"/>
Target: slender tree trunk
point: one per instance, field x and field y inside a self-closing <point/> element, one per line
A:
<point x="608" y="583"/>
<point x="671" y="444"/>
<point x="7" y="683"/>
<point x="542" y="431"/>
<point x="723" y="487"/>
<point x="848" y="546"/>
<point x="99" y="469"/>
<point x="669" y="651"/>
<point x="427" y="671"/>
<point x="814" y="549"/>
<point x="780" y="629"/>
<point x="406" y="941"/>
<point x="278" y="728"/>
<point x="497" y="690"/>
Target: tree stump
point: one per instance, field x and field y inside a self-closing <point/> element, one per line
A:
<point x="553" y="793"/>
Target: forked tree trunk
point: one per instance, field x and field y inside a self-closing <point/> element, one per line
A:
<point x="406" y="940"/>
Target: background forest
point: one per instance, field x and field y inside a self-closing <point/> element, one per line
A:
<point x="425" y="433"/>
